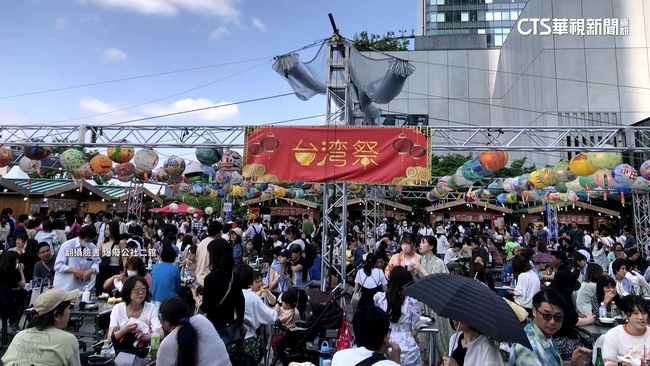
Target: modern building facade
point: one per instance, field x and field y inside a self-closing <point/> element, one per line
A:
<point x="537" y="80"/>
<point x="491" y="20"/>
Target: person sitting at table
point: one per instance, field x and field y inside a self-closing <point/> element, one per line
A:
<point x="45" y="267"/>
<point x="548" y="316"/>
<point x="527" y="283"/>
<point x="629" y="339"/>
<point x="298" y="263"/>
<point x="190" y="262"/>
<point x="45" y="342"/>
<point x="566" y="338"/>
<point x="578" y="263"/>
<point x="588" y="288"/>
<point x="478" y="259"/>
<point x="123" y="331"/>
<point x="250" y="254"/>
<point x="190" y="340"/>
<point x="557" y="262"/>
<point x="619" y="272"/>
<point x="469" y="347"/>
<point x="134" y="267"/>
<point x="605" y="293"/>
<point x="279" y="276"/>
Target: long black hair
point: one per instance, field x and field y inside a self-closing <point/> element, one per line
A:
<point x="602" y="282"/>
<point x="369" y="264"/>
<point x="176" y="312"/>
<point x="399" y="277"/>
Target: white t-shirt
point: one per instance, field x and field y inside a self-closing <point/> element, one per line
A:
<point x="450" y="256"/>
<point x="149" y="316"/>
<point x="211" y="350"/>
<point x="376" y="278"/>
<point x="618" y="342"/>
<point x="354" y="356"/>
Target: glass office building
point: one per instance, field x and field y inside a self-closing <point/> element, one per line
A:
<point x="494" y="18"/>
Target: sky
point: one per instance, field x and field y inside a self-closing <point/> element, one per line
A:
<point x="51" y="44"/>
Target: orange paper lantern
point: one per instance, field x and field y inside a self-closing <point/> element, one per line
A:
<point x="493" y="160"/>
<point x="101" y="164"/>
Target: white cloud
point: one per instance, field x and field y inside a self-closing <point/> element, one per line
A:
<point x="61" y="24"/>
<point x="96" y="106"/>
<point x="90" y="18"/>
<point x="214" y="114"/>
<point x="113" y="54"/>
<point x="257" y="23"/>
<point x="219" y="33"/>
<point x="225" y="9"/>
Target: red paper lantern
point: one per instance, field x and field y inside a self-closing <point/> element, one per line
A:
<point x="255" y="149"/>
<point x="270" y="143"/>
<point x="418" y="151"/>
<point x="402" y="144"/>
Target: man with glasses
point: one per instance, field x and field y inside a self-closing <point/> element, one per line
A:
<point x="548" y="315"/>
<point x="45" y="267"/>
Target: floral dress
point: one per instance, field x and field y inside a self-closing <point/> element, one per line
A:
<point x="435" y="265"/>
<point x="401" y="331"/>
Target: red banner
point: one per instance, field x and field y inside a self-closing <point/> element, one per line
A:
<point x="379" y="155"/>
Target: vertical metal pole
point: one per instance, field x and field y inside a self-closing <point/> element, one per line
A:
<point x="344" y="231"/>
<point x="641" y="211"/>
<point x="325" y="238"/>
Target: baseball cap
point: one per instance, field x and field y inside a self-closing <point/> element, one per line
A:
<point x="284" y="253"/>
<point x="51" y="298"/>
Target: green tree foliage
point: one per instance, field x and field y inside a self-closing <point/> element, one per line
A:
<point x="442" y="165"/>
<point x="517" y="167"/>
<point x="363" y="42"/>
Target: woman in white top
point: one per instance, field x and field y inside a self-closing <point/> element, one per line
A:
<point x="630" y="338"/>
<point x="442" y="242"/>
<point x="191" y="340"/>
<point x="527" y="282"/>
<point x="134" y="318"/>
<point x="369" y="280"/>
<point x="479" y="349"/>
<point x="588" y="289"/>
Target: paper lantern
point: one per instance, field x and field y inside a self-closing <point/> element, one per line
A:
<point x="495" y="187"/>
<point x="622" y="189"/>
<point x="72" y="160"/>
<point x="106" y="177"/>
<point x="37" y="152"/>
<point x="211" y="156"/>
<point x="142" y="174"/>
<point x="101" y="164"/>
<point x="603" y="178"/>
<point x="402" y="145"/>
<point x="478" y="169"/>
<point x="208" y="210"/>
<point x="124" y="171"/>
<point x="502" y="198"/>
<point x="120" y="154"/>
<point x="561" y="187"/>
<point x="580" y="165"/>
<point x="523" y="183"/>
<point x="511" y="197"/>
<point x="146" y="159"/>
<point x="466" y="171"/>
<point x="644" y="170"/>
<point x="507" y="185"/>
<point x="547" y="177"/>
<point x="174" y="166"/>
<point x="173" y="206"/>
<point x="534" y="179"/>
<point x="562" y="172"/>
<point x="493" y="160"/>
<point x="161" y="175"/>
<point x="28" y="165"/>
<point x="231" y="161"/>
<point x="5" y="157"/>
<point x="588" y="182"/>
<point x="514" y="183"/>
<point x="640" y="184"/>
<point x="439" y="193"/>
<point x="604" y="159"/>
<point x="575" y="185"/>
<point x="85" y="172"/>
<point x="624" y="174"/>
<point x="461" y="181"/>
<point x="485" y="194"/>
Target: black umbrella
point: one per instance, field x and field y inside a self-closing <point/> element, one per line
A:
<point x="470" y="302"/>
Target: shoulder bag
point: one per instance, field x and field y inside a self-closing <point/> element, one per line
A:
<point x="356" y="296"/>
<point x="232" y="332"/>
<point x="376" y="357"/>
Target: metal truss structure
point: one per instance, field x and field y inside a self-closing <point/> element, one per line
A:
<point x="447" y="138"/>
<point x="375" y="209"/>
<point x="641" y="209"/>
<point x="136" y="196"/>
<point x="334" y="234"/>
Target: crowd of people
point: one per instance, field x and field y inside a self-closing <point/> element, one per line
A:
<point x="188" y="279"/>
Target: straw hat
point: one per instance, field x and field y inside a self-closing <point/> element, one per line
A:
<point x="521" y="313"/>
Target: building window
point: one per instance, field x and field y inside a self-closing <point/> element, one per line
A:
<point x="481" y="16"/>
<point x="464" y="16"/>
<point x="514" y="15"/>
<point x="506" y="31"/>
<point x="433" y="16"/>
<point x="440" y="17"/>
<point x="404" y="120"/>
<point x="473" y="16"/>
<point x="505" y="15"/>
<point x="481" y="31"/>
<point x="437" y="2"/>
<point x="489" y="16"/>
<point x="497" y="15"/>
<point x="498" y="30"/>
<point x="498" y="40"/>
<point x="464" y="31"/>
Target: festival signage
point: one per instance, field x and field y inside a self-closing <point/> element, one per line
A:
<point x="352" y="154"/>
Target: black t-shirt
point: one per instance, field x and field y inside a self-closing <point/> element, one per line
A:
<point x="303" y="262"/>
<point x="215" y="288"/>
<point x="459" y="353"/>
<point x="9" y="277"/>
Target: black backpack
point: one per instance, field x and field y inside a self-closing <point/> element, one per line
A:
<point x="308" y="254"/>
<point x="258" y="239"/>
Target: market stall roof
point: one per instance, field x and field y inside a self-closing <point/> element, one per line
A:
<point x="121" y="193"/>
<point x="478" y="203"/>
<point x="386" y="202"/>
<point x="541" y="208"/>
<point x="292" y="200"/>
<point x="181" y="208"/>
<point x="49" y="187"/>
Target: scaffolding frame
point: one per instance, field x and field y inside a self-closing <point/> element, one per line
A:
<point x="641" y="210"/>
<point x="136" y="197"/>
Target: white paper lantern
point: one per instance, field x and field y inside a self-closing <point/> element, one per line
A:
<point x="28" y="165"/>
<point x="146" y="159"/>
<point x="173" y="207"/>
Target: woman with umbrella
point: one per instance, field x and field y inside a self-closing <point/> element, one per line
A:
<point x="429" y="264"/>
<point x="404" y="315"/>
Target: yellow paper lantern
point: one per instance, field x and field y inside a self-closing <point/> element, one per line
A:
<point x="581" y="166"/>
<point x="535" y="179"/>
<point x="604" y="159"/>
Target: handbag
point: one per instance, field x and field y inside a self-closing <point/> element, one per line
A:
<point x="356" y="296"/>
<point x="38" y="287"/>
<point x="232" y="332"/>
<point x="344" y="338"/>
